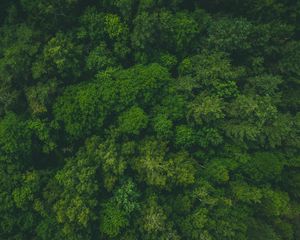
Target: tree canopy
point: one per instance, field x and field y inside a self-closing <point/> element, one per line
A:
<point x="150" y="119"/>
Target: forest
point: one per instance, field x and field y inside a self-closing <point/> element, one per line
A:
<point x="149" y="119"/>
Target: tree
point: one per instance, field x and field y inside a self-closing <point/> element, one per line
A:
<point x="75" y="206"/>
<point x="151" y="164"/>
<point x="117" y="210"/>
<point x="15" y="138"/>
<point x="18" y="49"/>
<point x="60" y="59"/>
<point x="133" y="121"/>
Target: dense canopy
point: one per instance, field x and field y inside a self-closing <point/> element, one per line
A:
<point x="150" y="119"/>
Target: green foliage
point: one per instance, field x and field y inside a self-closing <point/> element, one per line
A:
<point x="182" y="169"/>
<point x="39" y="97"/>
<point x="206" y="109"/>
<point x="210" y="72"/>
<point x="116" y="211"/>
<point x="100" y="59"/>
<point x="244" y="192"/>
<point x="39" y="12"/>
<point x="60" y="59"/>
<point x="24" y="195"/>
<point x="263" y="166"/>
<point x="153" y="218"/>
<point x="149" y="119"/>
<point x="75" y="208"/>
<point x="42" y="131"/>
<point x="162" y="126"/>
<point x="185" y="136"/>
<point x="84" y="107"/>
<point x="133" y="121"/>
<point x="194" y="224"/>
<point x="218" y="172"/>
<point x="151" y="165"/>
<point x="229" y="35"/>
<point x="17" y="52"/>
<point x="126" y="197"/>
<point x="112" y="220"/>
<point x="105" y="28"/>
<point x="72" y="108"/>
<point x="113" y="166"/>
<point x="15" y="137"/>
